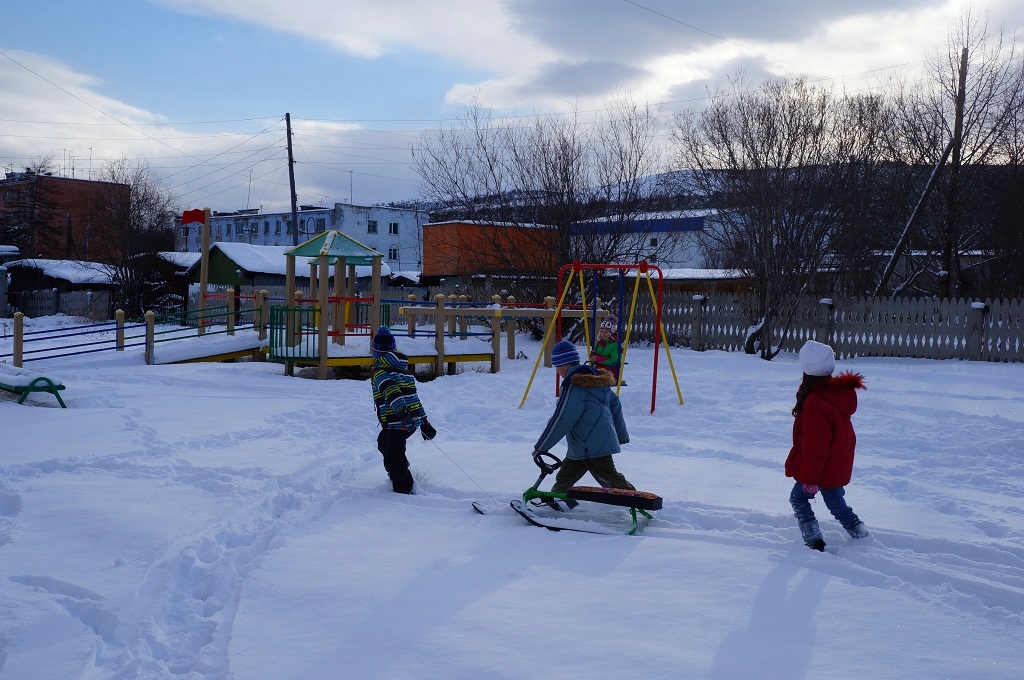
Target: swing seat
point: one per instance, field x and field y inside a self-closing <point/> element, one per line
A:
<point x="640" y="500"/>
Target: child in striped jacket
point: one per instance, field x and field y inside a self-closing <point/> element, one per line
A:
<point x="398" y="408"/>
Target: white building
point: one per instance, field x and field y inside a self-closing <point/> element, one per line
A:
<point x="671" y="240"/>
<point x="395" y="232"/>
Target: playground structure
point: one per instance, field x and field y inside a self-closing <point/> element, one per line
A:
<point x="590" y="322"/>
<point x="314" y="329"/>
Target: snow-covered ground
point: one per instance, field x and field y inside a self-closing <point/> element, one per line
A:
<point x="208" y="521"/>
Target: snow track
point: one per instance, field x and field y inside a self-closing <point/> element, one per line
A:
<point x="224" y="522"/>
<point x="178" y="621"/>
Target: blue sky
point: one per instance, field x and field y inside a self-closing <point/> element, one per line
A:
<point x="199" y="88"/>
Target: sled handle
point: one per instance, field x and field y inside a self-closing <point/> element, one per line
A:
<point x="541" y="459"/>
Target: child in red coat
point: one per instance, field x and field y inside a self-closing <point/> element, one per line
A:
<point x="823" y="443"/>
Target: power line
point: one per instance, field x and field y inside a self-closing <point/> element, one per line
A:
<point x="714" y="35"/>
<point x="251" y="137"/>
<point x="165" y="124"/>
<point x="91" y="106"/>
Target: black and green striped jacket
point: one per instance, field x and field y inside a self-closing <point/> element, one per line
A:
<point x="394" y="390"/>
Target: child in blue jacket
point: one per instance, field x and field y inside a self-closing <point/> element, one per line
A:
<point x="589" y="415"/>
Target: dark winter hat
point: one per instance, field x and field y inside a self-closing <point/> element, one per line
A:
<point x="817" y="359"/>
<point x="564" y="353"/>
<point x="383" y="341"/>
<point x="610" y="323"/>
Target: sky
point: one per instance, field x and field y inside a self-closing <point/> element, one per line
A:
<point x="199" y="89"/>
<point x="220" y="521"/>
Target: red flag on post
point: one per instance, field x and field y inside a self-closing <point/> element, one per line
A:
<point x="194" y="216"/>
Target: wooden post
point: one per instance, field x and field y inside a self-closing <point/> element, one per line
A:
<point x="452" y="319"/>
<point x="230" y="295"/>
<point x="337" y="309"/>
<point x="119" y="333"/>
<point x="19" y="339"/>
<point x="463" y="321"/>
<point x="323" y="289"/>
<point x="313" y="280"/>
<point x="439" y="334"/>
<point x="150" y="337"/>
<point x="975" y="347"/>
<point x="350" y="291"/>
<point x="823" y="327"/>
<point x="697" y="324"/>
<point x="375" y="311"/>
<point x="510" y="329"/>
<point x="549" y="303"/>
<point x="263" y="307"/>
<point x="259" y="311"/>
<point x="410" y="315"/>
<point x="496" y="341"/>
<point x="289" y="317"/>
<point x="204" y="270"/>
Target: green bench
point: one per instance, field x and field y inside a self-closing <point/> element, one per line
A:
<point x="22" y="381"/>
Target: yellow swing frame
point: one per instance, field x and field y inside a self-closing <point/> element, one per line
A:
<point x="643" y="271"/>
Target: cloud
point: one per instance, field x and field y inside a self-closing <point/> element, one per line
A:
<point x="625" y="30"/>
<point x="586" y="78"/>
<point x="475" y="32"/>
<point x="541" y="54"/>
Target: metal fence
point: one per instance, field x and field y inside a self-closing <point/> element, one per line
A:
<point x="94" y="305"/>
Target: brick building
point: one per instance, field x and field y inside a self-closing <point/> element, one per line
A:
<point x="466" y="248"/>
<point x="51" y="217"/>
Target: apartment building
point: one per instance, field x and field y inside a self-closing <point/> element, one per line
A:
<point x="397" y="233"/>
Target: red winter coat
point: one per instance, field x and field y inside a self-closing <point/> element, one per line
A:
<point x="823" y="437"/>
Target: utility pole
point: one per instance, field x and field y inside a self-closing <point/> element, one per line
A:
<point x="291" y="181"/>
<point x="948" y="248"/>
<point x="952" y="147"/>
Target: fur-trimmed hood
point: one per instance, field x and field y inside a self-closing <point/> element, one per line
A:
<point x="840" y="391"/>
<point x="587" y="376"/>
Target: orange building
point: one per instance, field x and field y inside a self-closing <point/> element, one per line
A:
<point x="467" y="248"/>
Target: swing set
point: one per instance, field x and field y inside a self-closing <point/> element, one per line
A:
<point x="575" y="271"/>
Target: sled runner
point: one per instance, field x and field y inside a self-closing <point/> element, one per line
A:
<point x="636" y="501"/>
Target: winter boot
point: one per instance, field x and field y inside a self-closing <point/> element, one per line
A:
<point x="812" y="534"/>
<point x="858" y="530"/>
<point x="817" y="544"/>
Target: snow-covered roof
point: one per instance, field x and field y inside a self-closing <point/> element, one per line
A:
<point x="72" y="271"/>
<point x="272" y="260"/>
<point x="696" y="274"/>
<point x="648" y="216"/>
<point x="485" y="223"/>
<point x="179" y="259"/>
<point x="256" y="259"/>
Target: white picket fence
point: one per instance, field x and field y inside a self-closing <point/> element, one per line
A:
<point x="926" y="328"/>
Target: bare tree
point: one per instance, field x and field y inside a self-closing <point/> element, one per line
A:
<point x="779" y="162"/>
<point x="924" y="122"/>
<point x="563" y="188"/>
<point x="130" y="227"/>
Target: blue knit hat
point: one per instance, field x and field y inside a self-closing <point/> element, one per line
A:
<point x="564" y="353"/>
<point x="383" y="341"/>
